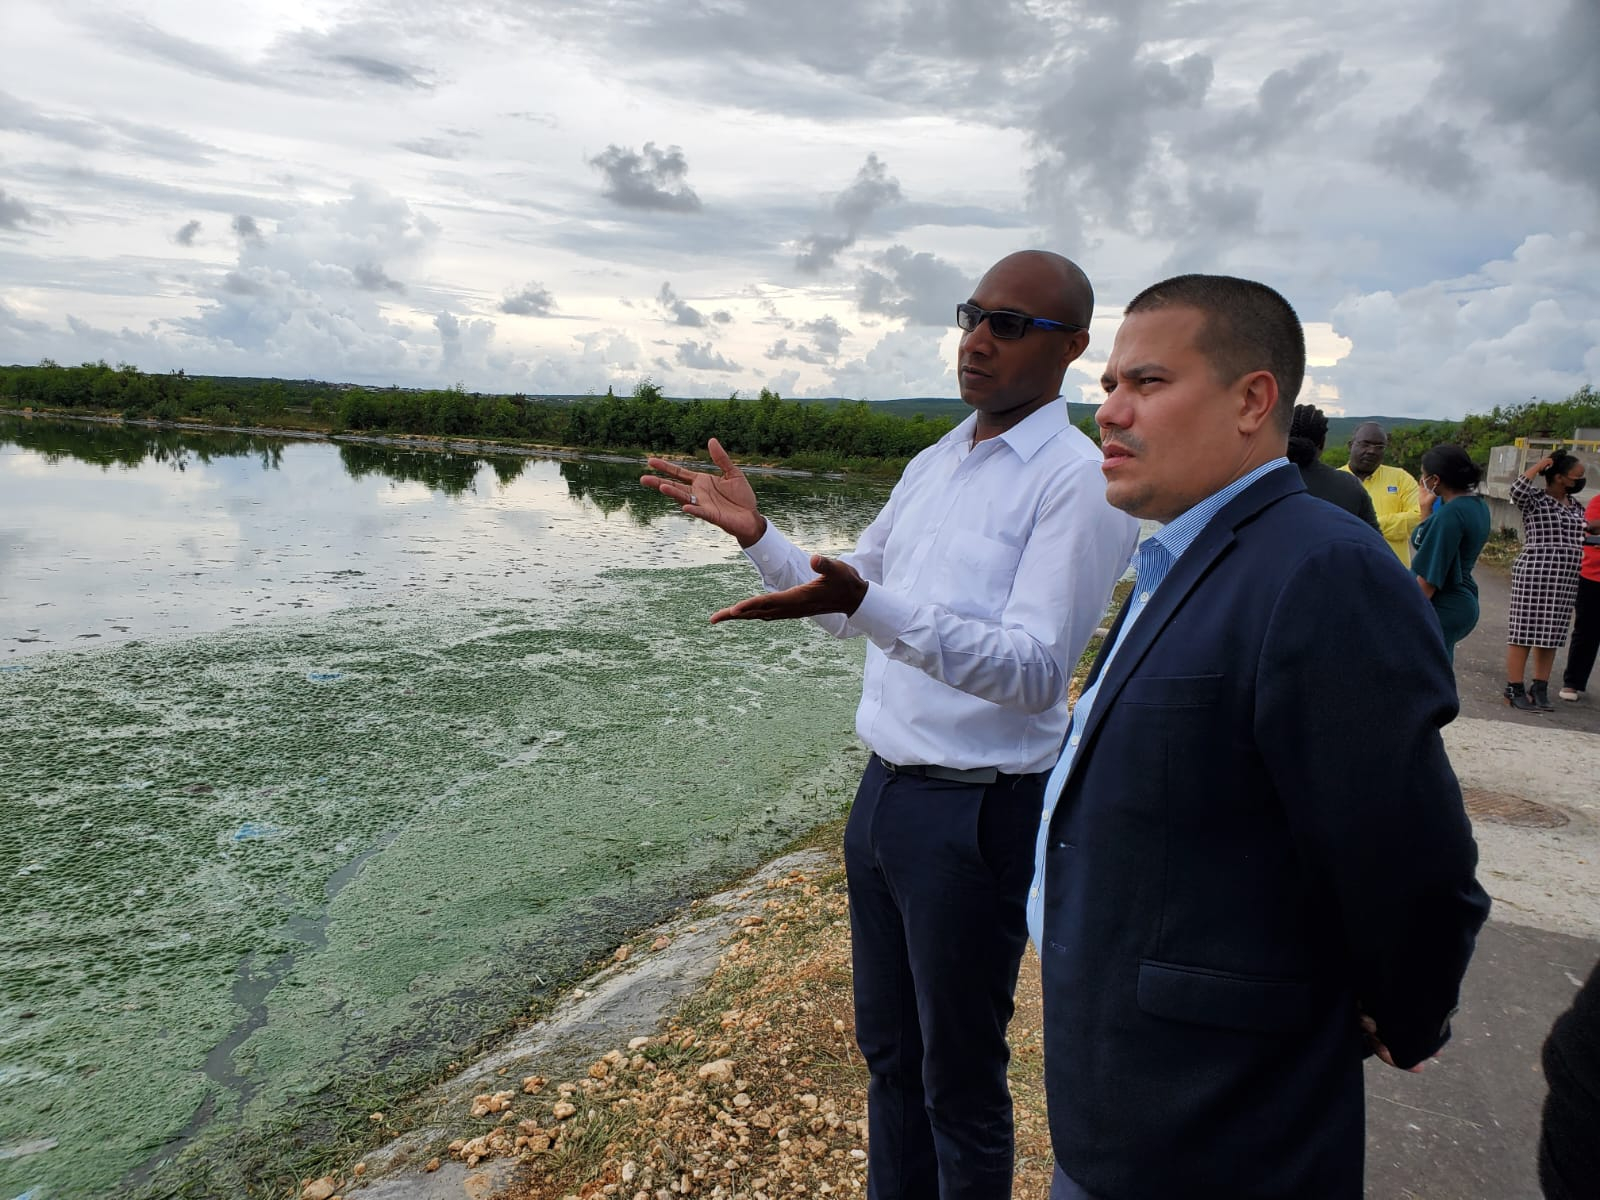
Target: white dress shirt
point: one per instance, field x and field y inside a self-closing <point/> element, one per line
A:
<point x="988" y="569"/>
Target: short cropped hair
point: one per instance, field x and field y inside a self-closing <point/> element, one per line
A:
<point x="1248" y="327"/>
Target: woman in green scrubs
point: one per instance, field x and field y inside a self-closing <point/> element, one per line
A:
<point x="1444" y="548"/>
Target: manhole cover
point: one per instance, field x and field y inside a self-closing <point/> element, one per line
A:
<point x="1510" y="810"/>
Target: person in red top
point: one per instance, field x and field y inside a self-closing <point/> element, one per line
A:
<point x="1586" y="625"/>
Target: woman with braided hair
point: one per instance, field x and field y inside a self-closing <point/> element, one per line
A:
<point x="1308" y="433"/>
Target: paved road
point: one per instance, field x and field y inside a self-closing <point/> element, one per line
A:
<point x="1467" y="1126"/>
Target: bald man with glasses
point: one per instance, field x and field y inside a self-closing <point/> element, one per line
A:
<point x="977" y="588"/>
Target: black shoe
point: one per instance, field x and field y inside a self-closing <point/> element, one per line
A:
<point x="1539" y="693"/>
<point x="1518" y="698"/>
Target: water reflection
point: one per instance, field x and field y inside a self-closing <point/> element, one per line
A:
<point x="112" y="532"/>
<point x="109" y="445"/>
<point x="450" y="474"/>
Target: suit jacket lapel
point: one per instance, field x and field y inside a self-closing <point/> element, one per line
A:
<point x="1192" y="567"/>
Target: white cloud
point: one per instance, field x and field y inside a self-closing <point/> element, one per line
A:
<point x="384" y="192"/>
<point x="1515" y="328"/>
<point x="903" y="362"/>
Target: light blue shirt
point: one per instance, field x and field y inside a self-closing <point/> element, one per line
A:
<point x="1152" y="563"/>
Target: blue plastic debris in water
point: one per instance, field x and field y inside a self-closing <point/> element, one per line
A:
<point x="323" y="676"/>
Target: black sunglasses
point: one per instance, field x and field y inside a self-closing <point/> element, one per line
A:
<point x="1003" y="323"/>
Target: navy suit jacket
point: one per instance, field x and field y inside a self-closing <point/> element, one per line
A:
<point x="1261" y="839"/>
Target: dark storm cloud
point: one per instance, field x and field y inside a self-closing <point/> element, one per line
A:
<point x="702" y="356"/>
<point x="1204" y="212"/>
<point x="651" y="178"/>
<point x="246" y="228"/>
<point x="14" y="213"/>
<point x="186" y="235"/>
<point x="532" y="301"/>
<point x="871" y="190"/>
<point x="781" y="349"/>
<point x="1288" y="101"/>
<point x="370" y="277"/>
<point x="680" y="312"/>
<point x="962" y="31"/>
<point x="826" y="334"/>
<point x="1432" y="154"/>
<point x="820" y="250"/>
<point x="1096" y="136"/>
<point x="918" y="287"/>
<point x="1538" y="84"/>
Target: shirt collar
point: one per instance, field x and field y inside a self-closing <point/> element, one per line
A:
<point x="1179" y="534"/>
<point x="1027" y="437"/>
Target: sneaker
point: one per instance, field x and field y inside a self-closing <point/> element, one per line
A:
<point x="1570" y="694"/>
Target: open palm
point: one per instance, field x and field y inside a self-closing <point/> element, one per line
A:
<point x="726" y="500"/>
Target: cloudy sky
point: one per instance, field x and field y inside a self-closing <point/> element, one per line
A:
<point x="729" y="194"/>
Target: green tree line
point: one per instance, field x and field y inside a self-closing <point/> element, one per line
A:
<point x="819" y="436"/>
<point x="847" y="435"/>
<point x="1479" y="433"/>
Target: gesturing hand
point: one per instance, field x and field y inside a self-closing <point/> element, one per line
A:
<point x="726" y="500"/>
<point x="838" y="588"/>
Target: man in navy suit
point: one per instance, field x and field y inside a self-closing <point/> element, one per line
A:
<point x="1227" y="926"/>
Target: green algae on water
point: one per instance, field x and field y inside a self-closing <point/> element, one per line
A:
<point x="312" y="859"/>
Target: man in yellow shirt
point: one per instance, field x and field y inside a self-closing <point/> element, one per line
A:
<point x="1393" y="492"/>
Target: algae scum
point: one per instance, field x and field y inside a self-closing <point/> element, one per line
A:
<point x="270" y="874"/>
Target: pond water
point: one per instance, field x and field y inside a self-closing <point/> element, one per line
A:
<point x="317" y="761"/>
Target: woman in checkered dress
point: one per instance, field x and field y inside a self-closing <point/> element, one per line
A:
<point x="1544" y="580"/>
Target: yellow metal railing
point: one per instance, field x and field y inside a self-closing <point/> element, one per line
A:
<point x="1540" y="443"/>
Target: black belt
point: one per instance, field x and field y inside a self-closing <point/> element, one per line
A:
<point x="950" y="774"/>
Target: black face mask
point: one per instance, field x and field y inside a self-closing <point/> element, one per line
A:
<point x="1575" y="486"/>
